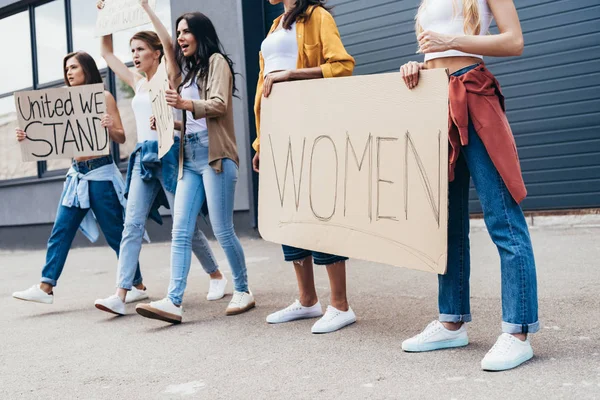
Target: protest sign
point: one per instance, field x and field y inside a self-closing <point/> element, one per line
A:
<point x="118" y="15"/>
<point x="157" y="87"/>
<point x="358" y="167"/>
<point x="62" y="122"/>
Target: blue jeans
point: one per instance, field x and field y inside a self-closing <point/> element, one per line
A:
<point x="292" y="254"/>
<point x="141" y="197"/>
<point x="506" y="225"/>
<point x="109" y="214"/>
<point x="199" y="183"/>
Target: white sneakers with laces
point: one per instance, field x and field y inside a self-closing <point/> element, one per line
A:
<point x="508" y="352"/>
<point x="294" y="312"/>
<point x="136" y="294"/>
<point x="334" y="320"/>
<point x="216" y="290"/>
<point x="435" y="337"/>
<point x="240" y="303"/>
<point x="112" y="304"/>
<point x="34" y="294"/>
<point x="163" y="310"/>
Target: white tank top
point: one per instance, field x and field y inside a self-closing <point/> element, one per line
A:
<point x="446" y="16"/>
<point x="280" y="50"/>
<point x="142" y="109"/>
<point x="190" y="92"/>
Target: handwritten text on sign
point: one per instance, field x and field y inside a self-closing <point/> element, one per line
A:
<point x="62" y="122"/>
<point x="118" y="15"/>
<point x="158" y="86"/>
<point x="358" y="167"/>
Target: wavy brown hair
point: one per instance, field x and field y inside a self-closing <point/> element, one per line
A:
<point x="299" y="12"/>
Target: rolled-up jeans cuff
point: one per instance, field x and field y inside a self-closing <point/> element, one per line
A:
<point x="520" y="328"/>
<point x="455" y="318"/>
<point x="48" y="281"/>
<point x="126" y="286"/>
<point x="138" y="281"/>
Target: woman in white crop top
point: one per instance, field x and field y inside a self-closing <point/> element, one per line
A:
<point x="148" y="185"/>
<point x="454" y="35"/>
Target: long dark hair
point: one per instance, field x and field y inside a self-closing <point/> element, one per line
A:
<point x="88" y="65"/>
<point x="298" y="13"/>
<point x="208" y="44"/>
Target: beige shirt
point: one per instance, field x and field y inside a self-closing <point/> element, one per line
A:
<point x="215" y="104"/>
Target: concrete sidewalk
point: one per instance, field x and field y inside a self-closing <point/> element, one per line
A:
<point x="69" y="350"/>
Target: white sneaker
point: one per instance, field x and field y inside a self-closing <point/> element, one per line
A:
<point x="135" y="294"/>
<point x="112" y="304"/>
<point x="508" y="352"/>
<point x="216" y="289"/>
<point x="34" y="294"/>
<point x="163" y="310"/>
<point x="334" y="320"/>
<point x="295" y="312"/>
<point x="436" y="337"/>
<point x="240" y="303"/>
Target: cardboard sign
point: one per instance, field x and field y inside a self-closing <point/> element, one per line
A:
<point x="62" y="122"/>
<point x="118" y="15"/>
<point x="358" y="167"/>
<point x="163" y="113"/>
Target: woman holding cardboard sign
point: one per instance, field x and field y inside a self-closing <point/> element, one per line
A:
<point x="208" y="159"/>
<point x="151" y="181"/>
<point x="93" y="183"/>
<point x="482" y="147"/>
<point x="304" y="43"/>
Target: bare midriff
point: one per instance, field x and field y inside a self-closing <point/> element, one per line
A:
<point x="453" y="64"/>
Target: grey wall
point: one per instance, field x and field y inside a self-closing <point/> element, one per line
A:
<point x="227" y="18"/>
<point x="552" y="97"/>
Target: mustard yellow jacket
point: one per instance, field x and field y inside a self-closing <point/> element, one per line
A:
<point x="319" y="45"/>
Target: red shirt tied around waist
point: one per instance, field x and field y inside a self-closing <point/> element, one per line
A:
<point x="477" y="95"/>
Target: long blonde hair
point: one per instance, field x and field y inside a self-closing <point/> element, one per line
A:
<point x="472" y="25"/>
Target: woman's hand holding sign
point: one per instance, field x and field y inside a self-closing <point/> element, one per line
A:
<point x="21" y="135"/>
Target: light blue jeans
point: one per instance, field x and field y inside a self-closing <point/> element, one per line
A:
<point x="141" y="196"/>
<point x="199" y="183"/>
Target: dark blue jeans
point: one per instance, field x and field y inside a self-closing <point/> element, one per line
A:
<point x="507" y="227"/>
<point x="292" y="254"/>
<point x="109" y="214"/>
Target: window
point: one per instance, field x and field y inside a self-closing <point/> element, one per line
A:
<point x="58" y="27"/>
<point x="83" y="20"/>
<point x="51" y="40"/>
<point x="11" y="166"/>
<point x="16" y="70"/>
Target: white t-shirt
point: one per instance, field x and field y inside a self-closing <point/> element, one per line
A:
<point x="142" y="110"/>
<point x="280" y="50"/>
<point x="190" y="92"/>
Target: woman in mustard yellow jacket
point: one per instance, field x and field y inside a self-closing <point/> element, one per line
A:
<point x="304" y="43"/>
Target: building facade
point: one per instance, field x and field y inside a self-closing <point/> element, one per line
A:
<point x="553" y="101"/>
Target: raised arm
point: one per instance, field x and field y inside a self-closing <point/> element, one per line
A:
<point x="125" y="74"/>
<point x="509" y="42"/>
<point x="167" y="42"/>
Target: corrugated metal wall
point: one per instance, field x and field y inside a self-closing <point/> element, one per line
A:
<point x="552" y="90"/>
